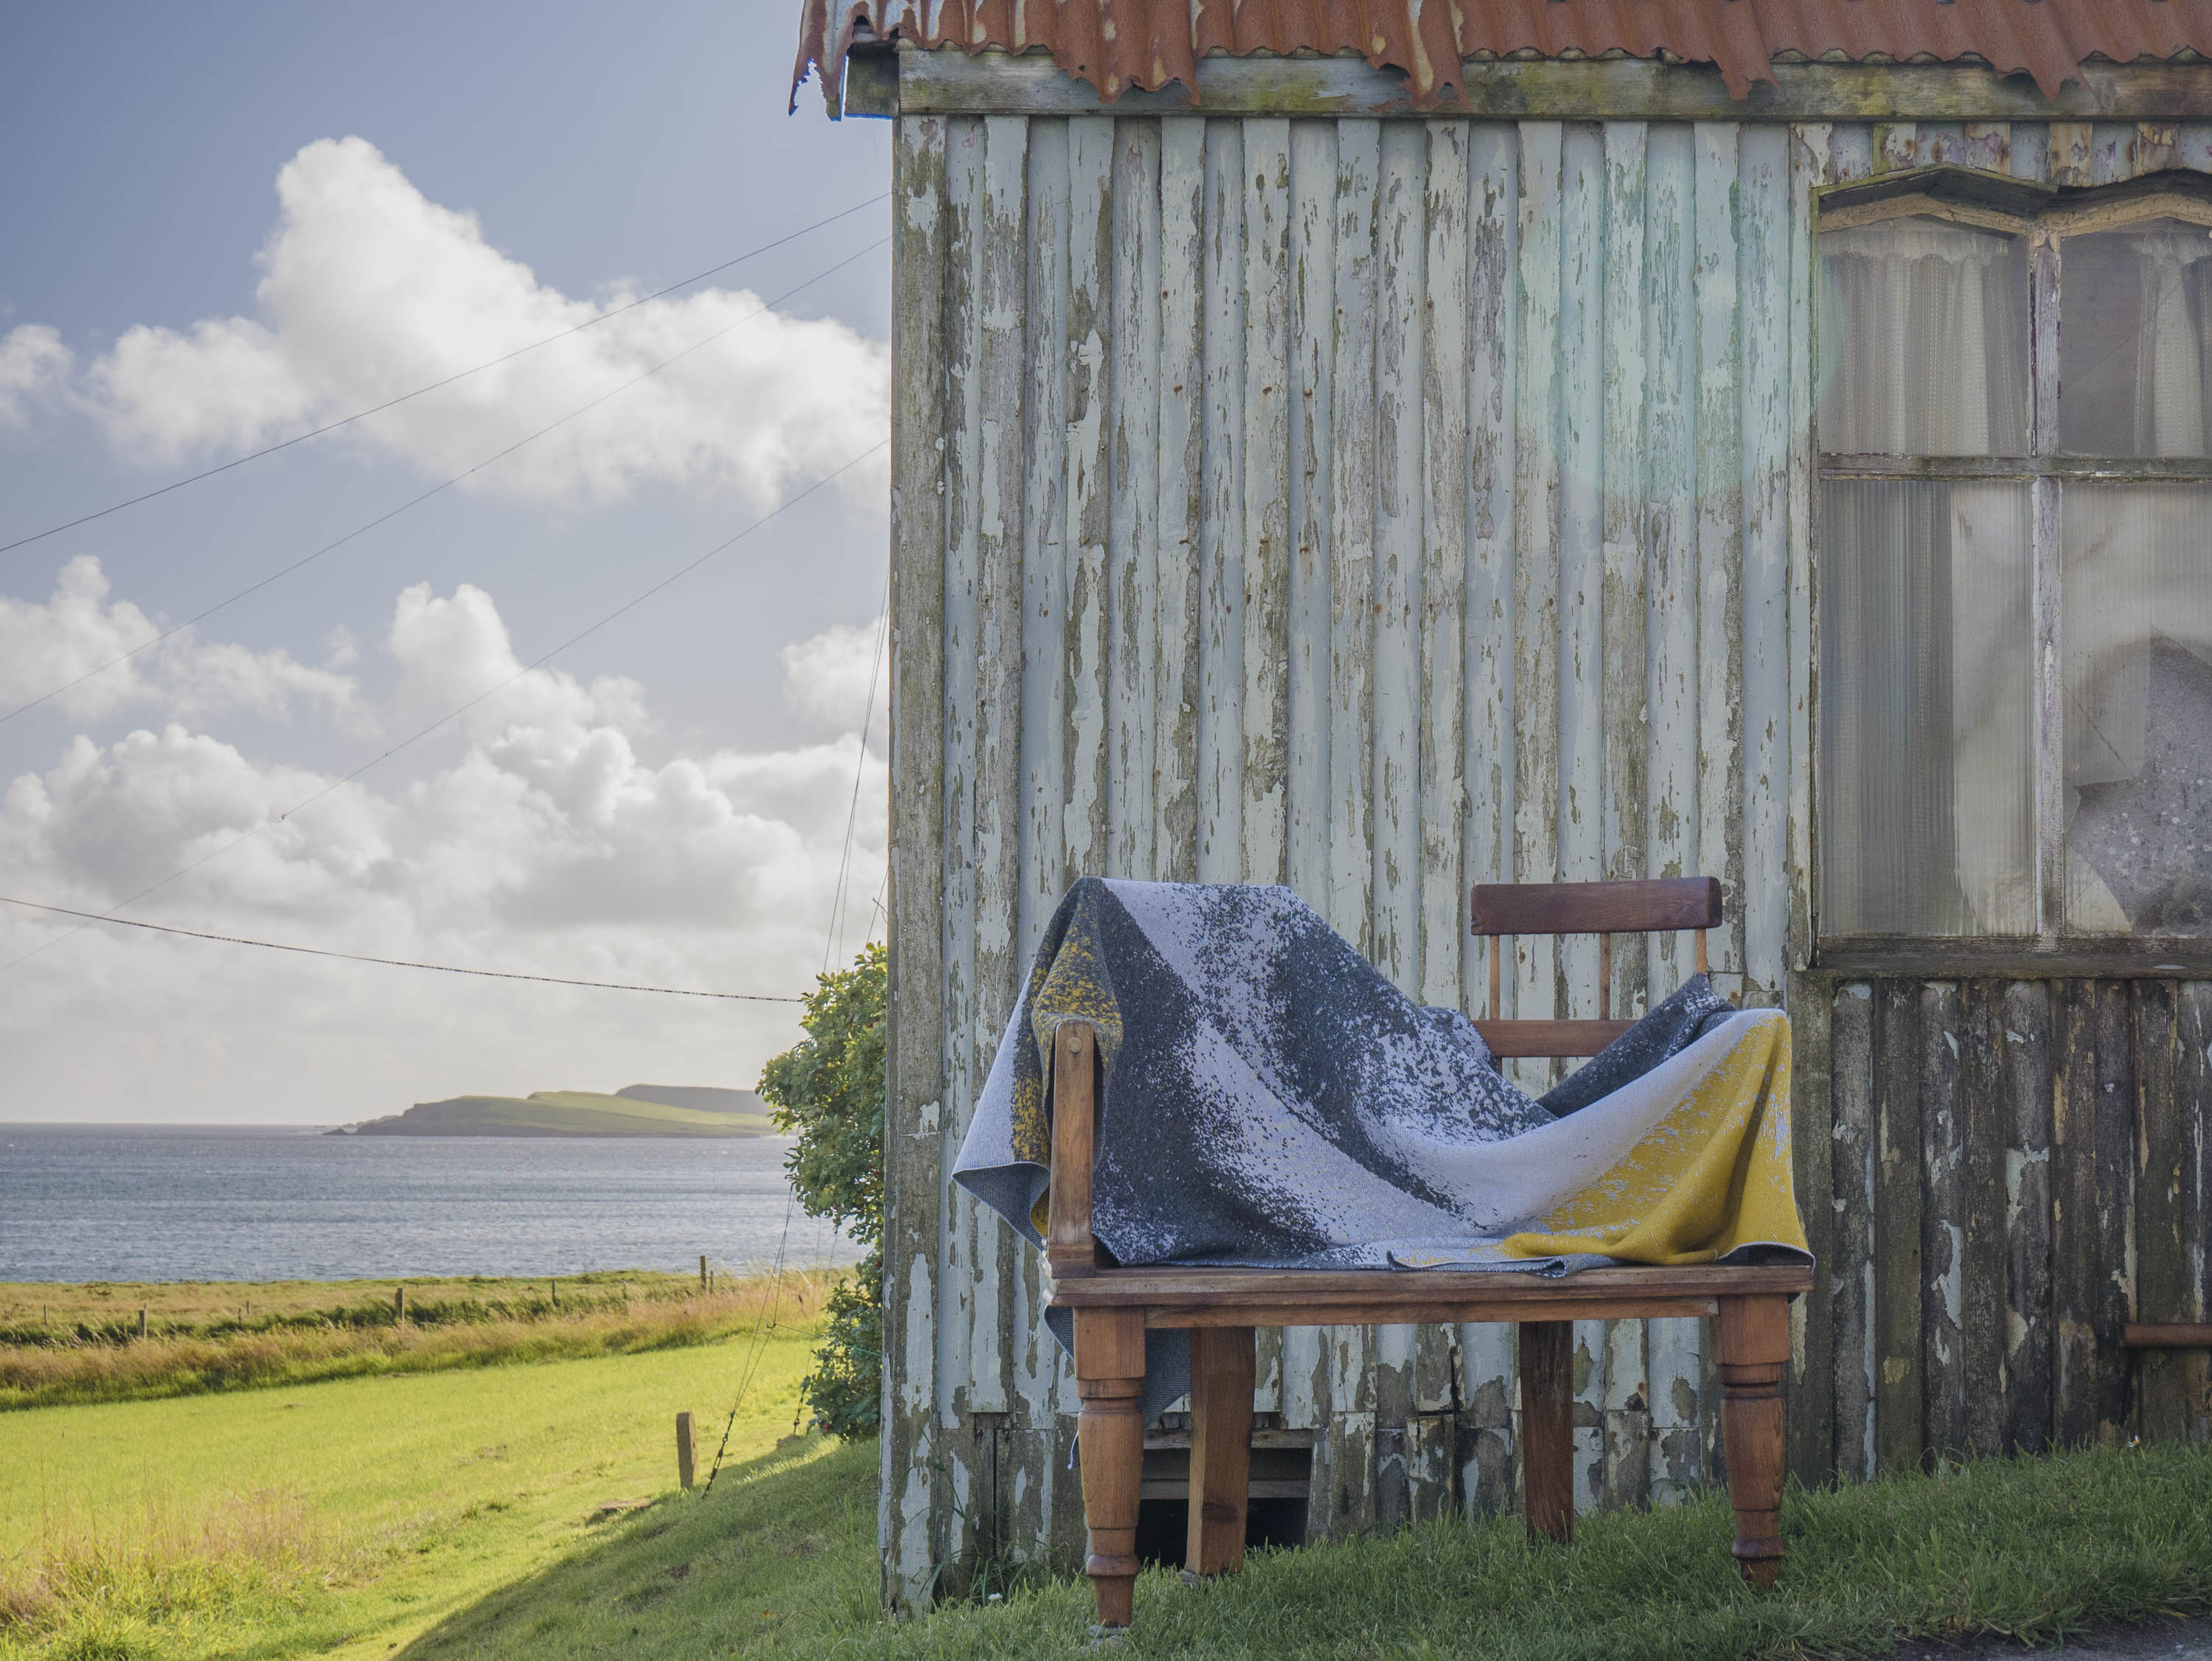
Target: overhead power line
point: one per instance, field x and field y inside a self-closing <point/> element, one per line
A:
<point x="451" y="715"/>
<point x="395" y="962"/>
<point x="444" y="485"/>
<point x="392" y="403"/>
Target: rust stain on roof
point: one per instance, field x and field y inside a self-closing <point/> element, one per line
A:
<point x="1116" y="44"/>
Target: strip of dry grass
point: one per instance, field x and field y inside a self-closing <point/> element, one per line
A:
<point x="277" y="1336"/>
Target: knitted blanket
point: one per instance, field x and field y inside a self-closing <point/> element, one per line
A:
<point x="1268" y="1099"/>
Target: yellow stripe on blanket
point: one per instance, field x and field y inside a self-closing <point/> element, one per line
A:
<point x="1711" y="1176"/>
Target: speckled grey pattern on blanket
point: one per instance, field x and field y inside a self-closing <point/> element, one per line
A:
<point x="1270" y="1099"/>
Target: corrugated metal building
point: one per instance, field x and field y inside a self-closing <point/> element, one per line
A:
<point x="1380" y="449"/>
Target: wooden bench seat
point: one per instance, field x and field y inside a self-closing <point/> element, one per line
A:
<point x="1113" y="1306"/>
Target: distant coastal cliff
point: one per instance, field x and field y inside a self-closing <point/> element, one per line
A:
<point x="637" y="1110"/>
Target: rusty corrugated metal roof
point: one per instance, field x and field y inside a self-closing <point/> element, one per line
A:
<point x="1116" y="44"/>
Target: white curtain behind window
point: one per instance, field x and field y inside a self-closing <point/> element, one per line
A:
<point x="1924" y="339"/>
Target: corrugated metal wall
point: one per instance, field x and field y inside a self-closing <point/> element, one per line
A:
<point x="1378" y="507"/>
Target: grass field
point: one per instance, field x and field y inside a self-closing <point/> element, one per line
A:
<point x="62" y="1344"/>
<point x="345" y="1517"/>
<point x="445" y="1516"/>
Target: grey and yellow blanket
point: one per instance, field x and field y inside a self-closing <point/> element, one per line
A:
<point x="1268" y="1098"/>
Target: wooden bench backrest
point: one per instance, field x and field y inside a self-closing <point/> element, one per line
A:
<point x="1502" y="909"/>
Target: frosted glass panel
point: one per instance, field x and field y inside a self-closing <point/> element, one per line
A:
<point x="1924" y="340"/>
<point x="1927" y="822"/>
<point x="2133" y="353"/>
<point x="2138" y="593"/>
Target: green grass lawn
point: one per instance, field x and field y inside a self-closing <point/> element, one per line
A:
<point x="782" y="1562"/>
<point x="344" y="1518"/>
<point x="447" y="1516"/>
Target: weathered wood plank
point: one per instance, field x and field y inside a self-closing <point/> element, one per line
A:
<point x="1720" y="474"/>
<point x="1942" y="141"/>
<point x="1393" y="752"/>
<point x="1986" y="145"/>
<point x="2156" y="147"/>
<point x="2193" y="1085"/>
<point x="1899" y="1426"/>
<point x="1447" y="966"/>
<point x="1313" y="334"/>
<point x="1002" y="562"/>
<point x="1896" y="145"/>
<point x="1535" y="756"/>
<point x="1811" y="1380"/>
<point x="2029" y="1034"/>
<point x="1048" y="449"/>
<point x="2110" y="145"/>
<point x="2070" y="152"/>
<point x="949" y="81"/>
<point x="1853" y="154"/>
<point x="1353" y="464"/>
<point x="1624" y="665"/>
<point x="2192" y="145"/>
<point x="1942" y="1224"/>
<point x="1854" y="1145"/>
<point x="1580" y="763"/>
<point x="1674" y="1350"/>
<point x="922" y="273"/>
<point x="2165" y="1184"/>
<point x="1983" y="1125"/>
<point x="1132" y="556"/>
<point x="2093" y="1151"/>
<point x="2030" y="150"/>
<point x="954" y="1309"/>
<point x="1445" y="969"/>
<point x="1221" y="640"/>
<point x="1809" y="161"/>
<point x="1766" y="300"/>
<point x="1081" y="719"/>
<point x="1182" y="476"/>
<point x="1267" y="494"/>
<point x="1489" y="1387"/>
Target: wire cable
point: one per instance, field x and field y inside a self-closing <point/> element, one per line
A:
<point x="435" y="490"/>
<point x="394" y="403"/>
<point x="538" y="662"/>
<point x="395" y="962"/>
<point x="838" y="896"/>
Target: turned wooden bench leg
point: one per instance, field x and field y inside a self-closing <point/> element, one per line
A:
<point x="1754" y="1347"/>
<point x="1222" y="1365"/>
<point x="1548" y="1428"/>
<point x="1110" y="1377"/>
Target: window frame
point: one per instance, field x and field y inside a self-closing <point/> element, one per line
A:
<point x="2046" y="216"/>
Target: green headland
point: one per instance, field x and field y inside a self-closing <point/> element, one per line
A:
<point x="637" y="1110"/>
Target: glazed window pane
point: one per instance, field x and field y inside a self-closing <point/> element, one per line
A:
<point x="2135" y="352"/>
<point x="1924" y="340"/>
<point x="1927" y="701"/>
<point x="2137" y="593"/>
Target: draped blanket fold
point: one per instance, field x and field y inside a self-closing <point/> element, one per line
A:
<point x="1267" y="1098"/>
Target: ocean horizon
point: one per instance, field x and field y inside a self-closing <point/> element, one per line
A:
<point x="84" y="1203"/>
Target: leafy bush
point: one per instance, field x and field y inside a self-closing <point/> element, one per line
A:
<point x="828" y="1092"/>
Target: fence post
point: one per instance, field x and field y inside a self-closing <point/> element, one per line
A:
<point x="684" y="1449"/>
<point x="398" y="1304"/>
<point x="702" y="1272"/>
<point x="555" y="1287"/>
<point x="141" y="1322"/>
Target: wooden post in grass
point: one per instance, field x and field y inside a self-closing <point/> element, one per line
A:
<point x="555" y="1287"/>
<point x="683" y="1450"/>
<point x="141" y="1322"/>
<point x="702" y="1272"/>
<point x="398" y="1304"/>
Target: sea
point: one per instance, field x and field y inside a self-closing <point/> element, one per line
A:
<point x="203" y="1203"/>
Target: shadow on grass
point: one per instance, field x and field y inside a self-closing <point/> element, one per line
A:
<point x="781" y="1560"/>
<point x="778" y="1558"/>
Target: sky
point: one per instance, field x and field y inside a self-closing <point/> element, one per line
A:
<point x="228" y="225"/>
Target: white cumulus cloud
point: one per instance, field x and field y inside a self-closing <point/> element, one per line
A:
<point x="545" y="838"/>
<point x="828" y="679"/>
<point x="370" y="290"/>
<point x="78" y="635"/>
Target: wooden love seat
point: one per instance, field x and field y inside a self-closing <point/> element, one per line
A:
<point x="1113" y="1306"/>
